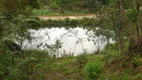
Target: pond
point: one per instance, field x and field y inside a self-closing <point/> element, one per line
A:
<point x="73" y="41"/>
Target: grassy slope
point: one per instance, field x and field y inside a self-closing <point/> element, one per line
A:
<point x="70" y="68"/>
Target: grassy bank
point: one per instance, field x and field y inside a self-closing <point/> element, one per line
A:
<point x="93" y="67"/>
<point x="102" y="66"/>
<point x="39" y="65"/>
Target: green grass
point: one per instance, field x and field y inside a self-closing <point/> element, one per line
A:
<point x="72" y="68"/>
<point x="47" y="12"/>
<point x="118" y="68"/>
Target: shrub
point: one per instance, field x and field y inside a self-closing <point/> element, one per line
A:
<point x="93" y="70"/>
<point x="54" y="6"/>
<point x="136" y="60"/>
<point x="81" y="60"/>
<point x="138" y="76"/>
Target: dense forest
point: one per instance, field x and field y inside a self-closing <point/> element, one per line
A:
<point x="119" y="20"/>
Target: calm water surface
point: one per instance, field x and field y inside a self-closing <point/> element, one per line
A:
<point x="73" y="40"/>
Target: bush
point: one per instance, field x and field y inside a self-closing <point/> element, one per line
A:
<point x="54" y="6"/>
<point x="93" y="70"/>
<point x="84" y="11"/>
<point x="81" y="60"/>
<point x="136" y="60"/>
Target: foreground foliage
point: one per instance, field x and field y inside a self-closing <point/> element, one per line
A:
<point x="115" y="19"/>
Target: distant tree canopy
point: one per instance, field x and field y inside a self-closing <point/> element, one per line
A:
<point x="12" y="6"/>
<point x="75" y="5"/>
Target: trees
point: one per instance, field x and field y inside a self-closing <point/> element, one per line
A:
<point x="92" y="5"/>
<point x="121" y="18"/>
<point x="13" y="24"/>
<point x="74" y="5"/>
<point x="121" y="21"/>
<point x="62" y="4"/>
<point x="18" y="6"/>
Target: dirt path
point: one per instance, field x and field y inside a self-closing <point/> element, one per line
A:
<point x="64" y="17"/>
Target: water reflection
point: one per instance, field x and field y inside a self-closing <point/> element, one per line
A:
<point x="73" y="40"/>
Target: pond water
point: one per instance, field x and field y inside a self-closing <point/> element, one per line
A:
<point x="74" y="40"/>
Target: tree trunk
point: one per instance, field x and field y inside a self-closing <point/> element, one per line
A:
<point x="121" y="13"/>
<point x="137" y="21"/>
